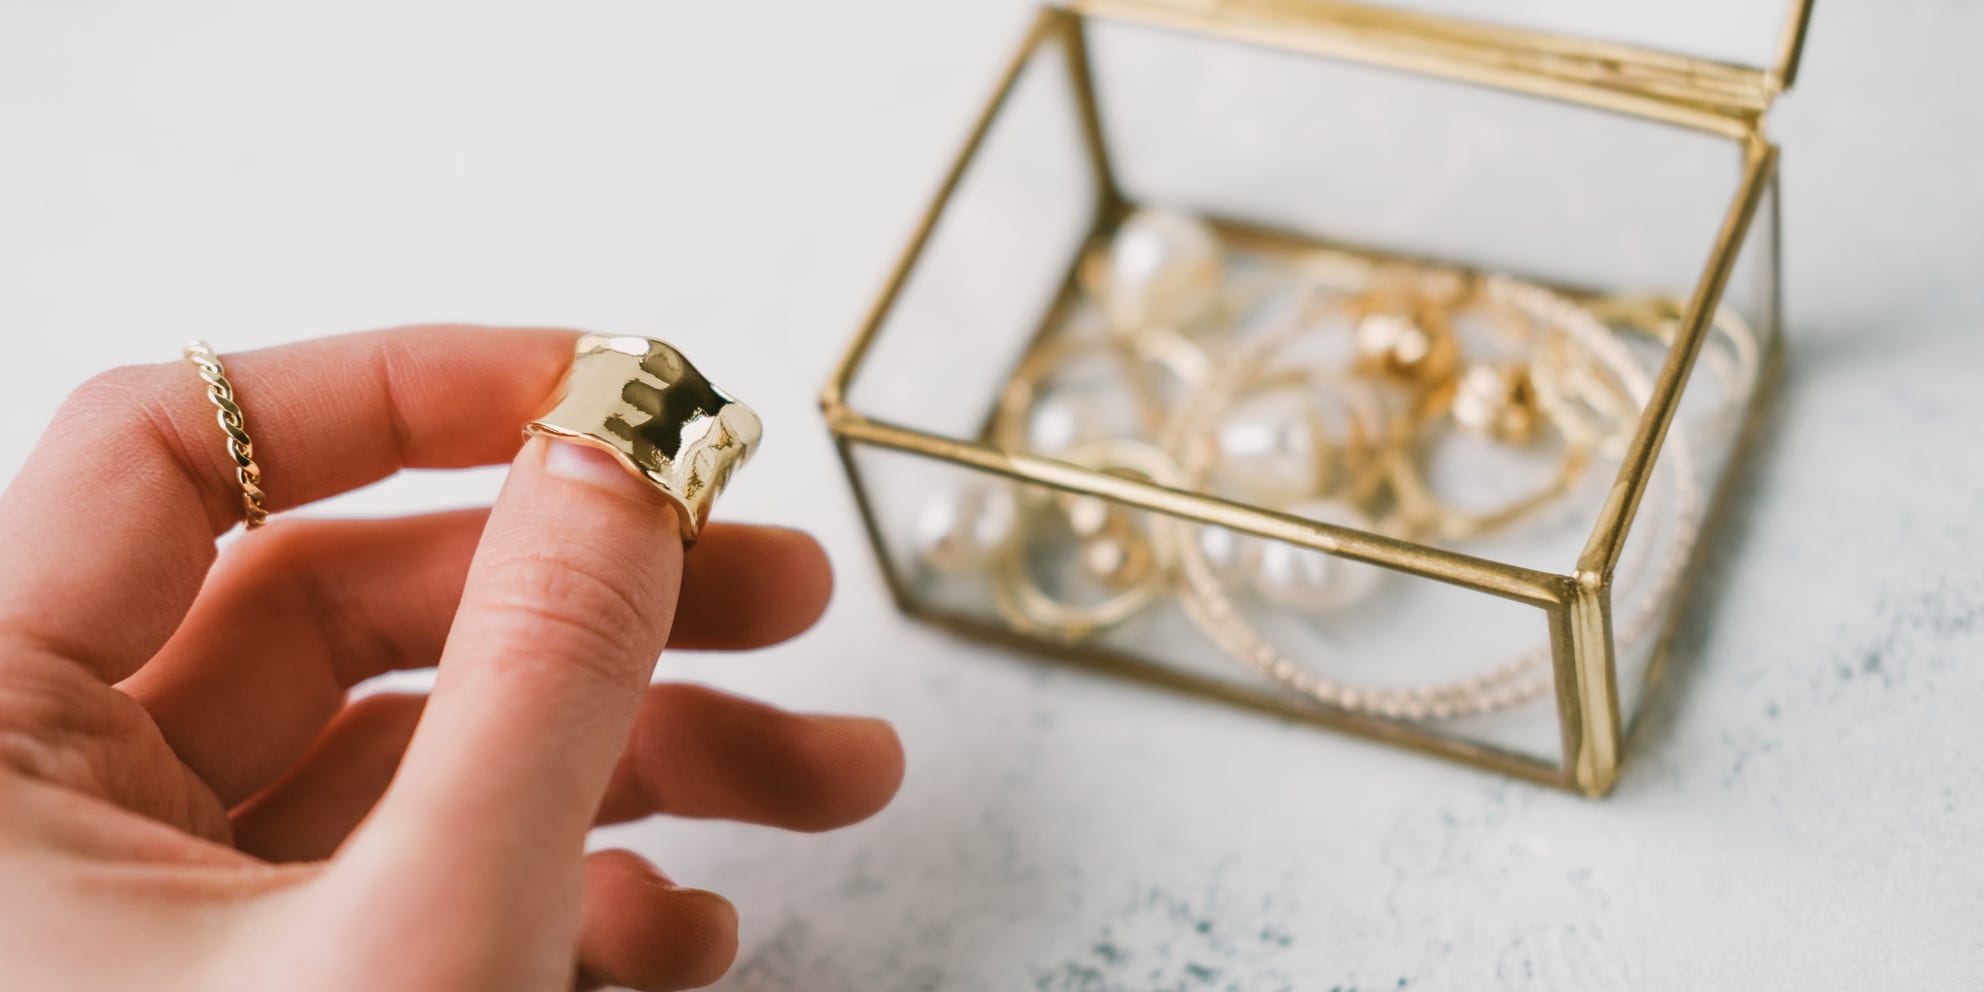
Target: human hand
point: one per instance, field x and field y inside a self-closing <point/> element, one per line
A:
<point x="187" y="797"/>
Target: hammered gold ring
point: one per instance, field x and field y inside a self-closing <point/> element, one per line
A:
<point x="254" y="504"/>
<point x="640" y="401"/>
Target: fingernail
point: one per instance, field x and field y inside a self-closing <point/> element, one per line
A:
<point x="593" y="467"/>
<point x="705" y="896"/>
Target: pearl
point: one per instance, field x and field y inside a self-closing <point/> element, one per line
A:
<point x="1118" y="560"/>
<point x="1163" y="269"/>
<point x="1231" y="555"/>
<point x="1066" y="417"/>
<point x="1270" y="450"/>
<point x="965" y="529"/>
<point x="1088" y="516"/>
<point x="1112" y="548"/>
<point x="1060" y="421"/>
<point x="1310" y="580"/>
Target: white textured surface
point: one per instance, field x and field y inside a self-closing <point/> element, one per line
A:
<point x="1808" y="810"/>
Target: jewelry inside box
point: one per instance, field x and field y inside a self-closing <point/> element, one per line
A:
<point x="1407" y="399"/>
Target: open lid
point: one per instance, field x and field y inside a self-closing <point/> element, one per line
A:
<point x="1709" y="63"/>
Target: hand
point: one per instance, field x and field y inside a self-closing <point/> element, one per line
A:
<point x="189" y="801"/>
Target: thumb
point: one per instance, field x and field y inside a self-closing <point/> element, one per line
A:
<point x="568" y="604"/>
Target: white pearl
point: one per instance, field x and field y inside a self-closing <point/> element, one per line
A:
<point x="1088" y="516"/>
<point x="1230" y="555"/>
<point x="1066" y="417"/>
<point x="1307" y="579"/>
<point x="965" y="529"/>
<point x="1055" y="424"/>
<point x="1164" y="270"/>
<point x="1269" y="449"/>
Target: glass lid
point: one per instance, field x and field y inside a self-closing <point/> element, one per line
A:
<point x="1755" y="33"/>
<point x="1714" y="63"/>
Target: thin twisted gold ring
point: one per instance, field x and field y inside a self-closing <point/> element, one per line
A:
<point x="254" y="503"/>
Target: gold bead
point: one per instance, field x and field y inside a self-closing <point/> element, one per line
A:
<point x="1415" y="348"/>
<point x="1119" y="560"/>
<point x="1497" y="402"/>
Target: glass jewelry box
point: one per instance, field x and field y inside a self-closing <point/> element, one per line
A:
<point x="1371" y="367"/>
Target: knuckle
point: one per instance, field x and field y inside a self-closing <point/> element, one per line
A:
<point x="139" y="411"/>
<point x="114" y="389"/>
<point x="47" y="724"/>
<point x="24" y="754"/>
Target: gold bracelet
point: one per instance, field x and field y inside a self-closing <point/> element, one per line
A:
<point x="254" y="503"/>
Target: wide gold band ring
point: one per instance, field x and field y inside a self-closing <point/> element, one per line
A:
<point x="220" y="392"/>
<point x="640" y="401"/>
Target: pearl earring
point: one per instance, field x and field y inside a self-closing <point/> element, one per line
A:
<point x="1163" y="269"/>
<point x="969" y="527"/>
<point x="1271" y="448"/>
<point x="1311" y="580"/>
<point x="1230" y="556"/>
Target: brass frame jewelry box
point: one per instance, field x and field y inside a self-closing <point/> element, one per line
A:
<point x="1374" y="368"/>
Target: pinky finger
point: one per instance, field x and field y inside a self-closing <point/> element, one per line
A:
<point x="644" y="932"/>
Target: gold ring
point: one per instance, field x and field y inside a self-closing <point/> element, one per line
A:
<point x="1024" y="605"/>
<point x="640" y="401"/>
<point x="1163" y="347"/>
<point x="254" y="504"/>
<point x="1421" y="511"/>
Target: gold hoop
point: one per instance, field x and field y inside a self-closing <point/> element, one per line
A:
<point x="1019" y="599"/>
<point x="1159" y="345"/>
<point x="1421" y="512"/>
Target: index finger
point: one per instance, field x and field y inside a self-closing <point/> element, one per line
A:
<point x="115" y="512"/>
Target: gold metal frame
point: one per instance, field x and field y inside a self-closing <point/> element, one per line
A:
<point x="1718" y="98"/>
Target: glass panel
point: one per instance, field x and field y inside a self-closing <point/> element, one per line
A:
<point x="995" y="261"/>
<point x="1390" y="303"/>
<point x="1355" y="155"/>
<point x="1264" y="615"/>
<point x="1313" y="173"/>
<point x="1745" y="32"/>
<point x="1694" y="467"/>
